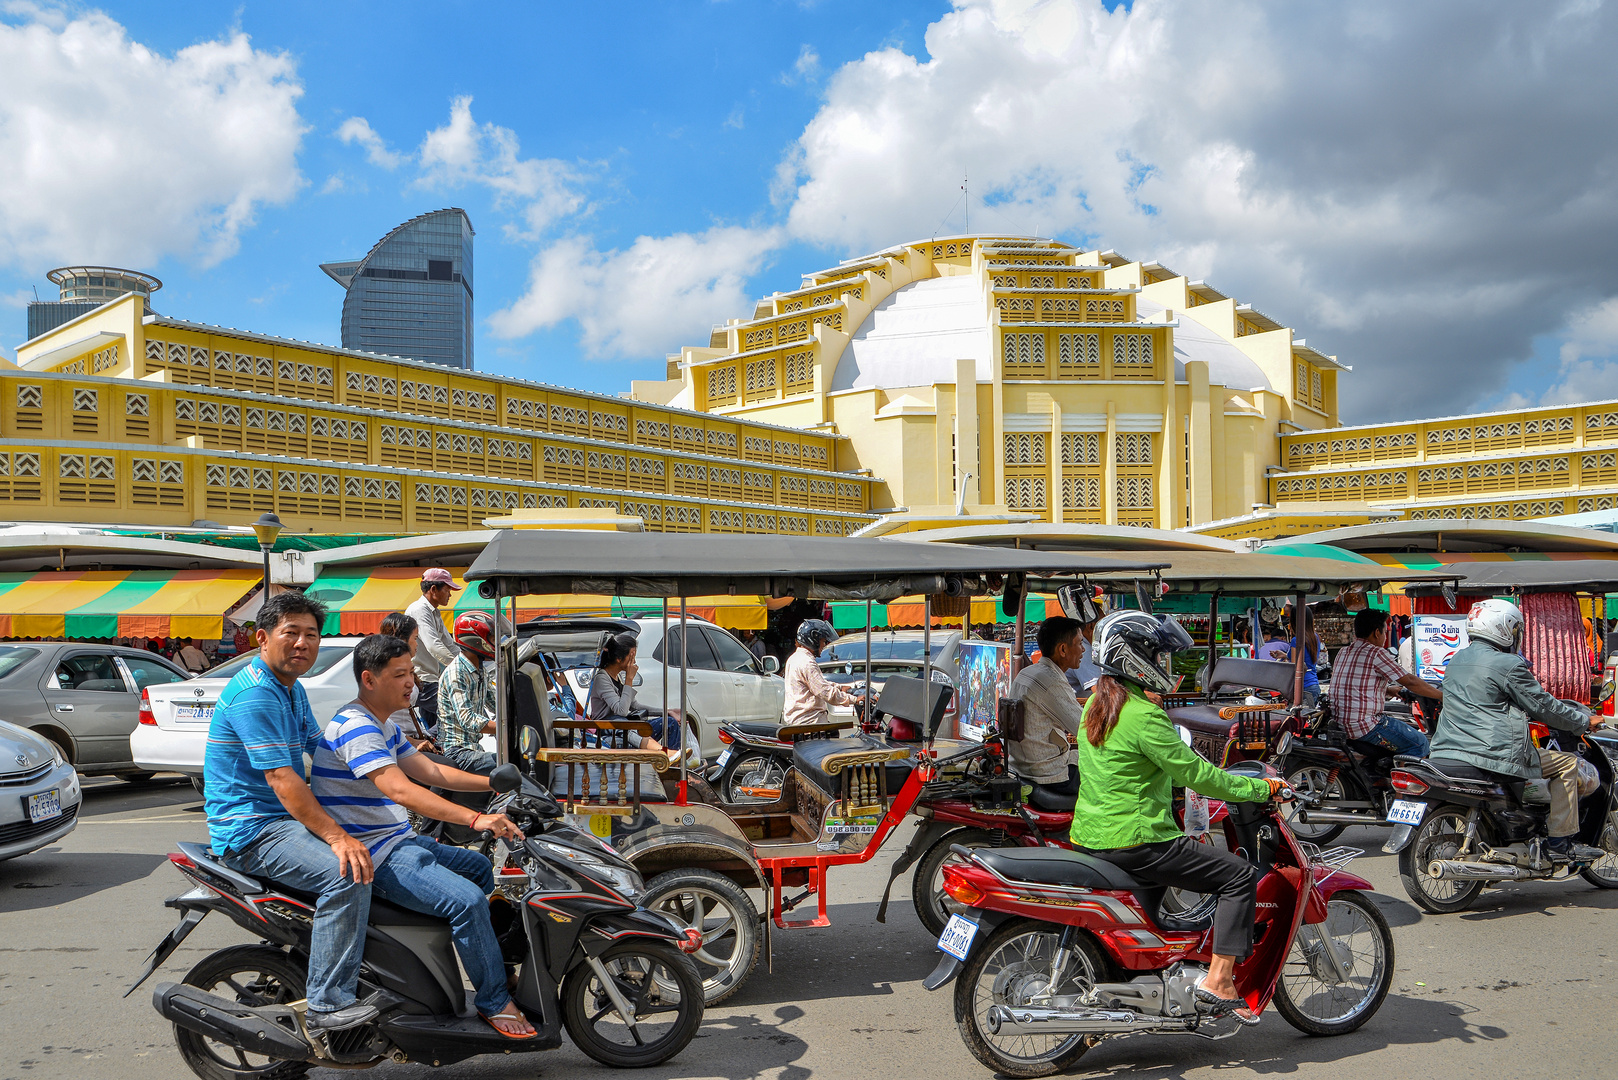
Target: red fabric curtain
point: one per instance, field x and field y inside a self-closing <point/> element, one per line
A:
<point x="1554" y="644"/>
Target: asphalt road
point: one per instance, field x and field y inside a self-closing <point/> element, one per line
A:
<point x="1522" y="986"/>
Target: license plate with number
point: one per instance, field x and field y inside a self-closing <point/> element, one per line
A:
<point x="193" y="714"/>
<point x="724" y="757"/>
<point x="957" y="936"/>
<point x="1406" y="812"/>
<point x="46" y="806"/>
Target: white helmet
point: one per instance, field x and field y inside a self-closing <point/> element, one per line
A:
<point x="1496" y="621"/>
<point x="1133" y="645"/>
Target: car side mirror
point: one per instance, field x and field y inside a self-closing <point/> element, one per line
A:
<point x="640" y="680"/>
<point x="771" y="665"/>
<point x="506" y="778"/>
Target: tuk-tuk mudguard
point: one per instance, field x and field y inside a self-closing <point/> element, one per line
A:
<point x="673" y="847"/>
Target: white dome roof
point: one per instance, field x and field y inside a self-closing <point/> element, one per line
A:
<point x="1227" y="365"/>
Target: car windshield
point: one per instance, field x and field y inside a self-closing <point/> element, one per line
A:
<point x="571" y="660"/>
<point x="881" y="649"/>
<point x="13" y="657"/>
<point x="329" y="655"/>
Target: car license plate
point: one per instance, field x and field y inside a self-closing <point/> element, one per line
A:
<point x="723" y="758"/>
<point x="957" y="936"/>
<point x="45" y="806"/>
<point x="193" y="714"/>
<point x="1406" y="812"/>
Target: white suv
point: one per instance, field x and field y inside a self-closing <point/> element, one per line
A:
<point x="724" y="681"/>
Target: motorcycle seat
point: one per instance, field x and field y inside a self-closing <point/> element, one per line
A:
<point x="1043" y="798"/>
<point x="808" y="755"/>
<point x="1369" y="749"/>
<point x="763" y="729"/>
<point x="382" y="912"/>
<point x="1059" y="866"/>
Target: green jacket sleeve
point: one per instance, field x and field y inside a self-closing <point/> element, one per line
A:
<point x="1537" y="702"/>
<point x="1161" y="743"/>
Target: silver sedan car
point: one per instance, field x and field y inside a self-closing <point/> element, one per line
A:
<point x="39" y="792"/>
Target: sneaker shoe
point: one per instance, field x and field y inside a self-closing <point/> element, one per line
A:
<point x="340" y="1019"/>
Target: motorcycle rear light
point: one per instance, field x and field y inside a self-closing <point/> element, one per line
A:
<point x="1406" y="784"/>
<point x="725" y="736"/>
<point x="145" y="715"/>
<point x="961" y="890"/>
<point x="182" y="861"/>
<point x="1538" y="732"/>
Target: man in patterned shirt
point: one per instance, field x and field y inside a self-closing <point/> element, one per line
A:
<point x="1359" y="689"/>
<point x="466" y="696"/>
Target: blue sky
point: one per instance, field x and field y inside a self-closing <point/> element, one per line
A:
<point x="1421" y="190"/>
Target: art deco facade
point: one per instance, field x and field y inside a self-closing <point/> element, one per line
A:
<point x="124" y="418"/>
<point x="1075" y="386"/>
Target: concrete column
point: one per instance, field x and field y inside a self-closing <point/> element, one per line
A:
<point x="1055" y="494"/>
<point x="946" y="402"/>
<point x="992" y="484"/>
<point x="1196" y="372"/>
<point x="1109" y="467"/>
<point x="966" y="430"/>
<point x="1170" y="446"/>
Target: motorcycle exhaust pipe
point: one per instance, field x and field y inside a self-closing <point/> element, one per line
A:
<point x="229" y="1022"/>
<point x="1457" y="870"/>
<point x="1337" y="817"/>
<point x="1006" y="1020"/>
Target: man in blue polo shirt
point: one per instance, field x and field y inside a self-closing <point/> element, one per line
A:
<point x="264" y="820"/>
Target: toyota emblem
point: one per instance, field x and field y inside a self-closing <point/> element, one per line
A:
<point x="22" y="759"/>
<point x="197" y="691"/>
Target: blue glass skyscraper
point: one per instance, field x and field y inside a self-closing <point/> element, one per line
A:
<point x="411" y="295"/>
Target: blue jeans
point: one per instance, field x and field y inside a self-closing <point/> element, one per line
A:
<point x="453" y="884"/>
<point x="471" y="759"/>
<point x="290" y="854"/>
<point x="1398" y="736"/>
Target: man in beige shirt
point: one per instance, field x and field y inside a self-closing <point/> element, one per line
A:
<point x="810" y="694"/>
<point x="1052" y="714"/>
<point x="192" y="658"/>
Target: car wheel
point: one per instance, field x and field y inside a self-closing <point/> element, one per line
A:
<point x="135" y="777"/>
<point x="196" y="782"/>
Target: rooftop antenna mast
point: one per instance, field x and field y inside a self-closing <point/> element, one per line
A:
<point x="967" y="213"/>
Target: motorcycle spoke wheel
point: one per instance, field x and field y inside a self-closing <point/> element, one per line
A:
<point x="1603" y="873"/>
<point x="754" y="771"/>
<point x="1317" y="783"/>
<point x="254" y="975"/>
<point x="1013" y="968"/>
<point x="1320" y="997"/>
<point x="710" y="902"/>
<point x="933" y="906"/>
<point x="663" y="993"/>
<point x="1439" y="836"/>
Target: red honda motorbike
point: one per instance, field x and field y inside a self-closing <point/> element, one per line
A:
<point x="1061" y="950"/>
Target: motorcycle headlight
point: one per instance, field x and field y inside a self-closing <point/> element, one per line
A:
<point x="626" y="882"/>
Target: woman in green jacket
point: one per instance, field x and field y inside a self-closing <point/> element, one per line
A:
<point x="1130" y="761"/>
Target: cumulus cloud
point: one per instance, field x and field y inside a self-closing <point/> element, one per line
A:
<point x="113" y="152"/>
<point x="1421" y="189"/>
<point x="659" y="292"/>
<point x="357" y="130"/>
<point x="463" y="151"/>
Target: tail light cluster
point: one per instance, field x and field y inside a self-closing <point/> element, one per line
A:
<point x="1406" y="784"/>
<point x="959" y="889"/>
<point x="725" y="736"/>
<point x="146" y="716"/>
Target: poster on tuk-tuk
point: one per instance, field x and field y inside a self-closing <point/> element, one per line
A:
<point x="1436" y="638"/>
<point x="985" y="678"/>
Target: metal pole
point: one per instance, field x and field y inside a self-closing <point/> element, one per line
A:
<point x="927" y="662"/>
<point x="1297" y="660"/>
<point x="1017" y="656"/>
<point x="266" y="551"/>
<point x="685" y="652"/>
<point x="869" y="608"/>
<point x="502" y="719"/>
<point x="1213" y="654"/>
<point x="665" y="640"/>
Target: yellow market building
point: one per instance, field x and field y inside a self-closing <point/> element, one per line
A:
<point x="134" y="419"/>
<point x="1024" y="374"/>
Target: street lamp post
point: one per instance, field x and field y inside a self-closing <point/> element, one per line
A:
<point x="267" y="528"/>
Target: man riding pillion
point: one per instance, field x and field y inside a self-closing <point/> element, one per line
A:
<point x="810" y="695"/>
<point x="1490" y="694"/>
<point x="1130" y="760"/>
<point x="1359" y="689"/>
<point x="466" y="696"/>
<point x="367" y="776"/>
<point x="264" y="820"/>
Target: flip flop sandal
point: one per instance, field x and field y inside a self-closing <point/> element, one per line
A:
<point x="1218" y="1006"/>
<point x="506" y="1016"/>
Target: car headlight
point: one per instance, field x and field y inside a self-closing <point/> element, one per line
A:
<point x="57" y="760"/>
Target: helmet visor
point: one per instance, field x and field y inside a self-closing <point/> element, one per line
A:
<point x="1171" y="636"/>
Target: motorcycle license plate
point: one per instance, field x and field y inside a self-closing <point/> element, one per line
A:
<point x="957" y="936"/>
<point x="1406" y="812"/>
<point x="46" y="806"/>
<point x="724" y="757"/>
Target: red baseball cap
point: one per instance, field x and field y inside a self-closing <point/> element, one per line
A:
<point x="439" y="576"/>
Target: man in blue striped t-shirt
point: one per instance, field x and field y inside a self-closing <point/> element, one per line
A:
<point x="365" y="776"/>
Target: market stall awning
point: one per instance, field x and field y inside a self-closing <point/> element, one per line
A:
<point x="358" y="600"/>
<point x="908" y="611"/>
<point x="120" y="603"/>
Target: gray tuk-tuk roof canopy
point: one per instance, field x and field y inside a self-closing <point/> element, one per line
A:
<point x="529" y="561"/>
<point x="1258" y="574"/>
<point x="1597" y="576"/>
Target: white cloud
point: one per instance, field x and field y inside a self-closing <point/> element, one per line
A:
<point x="466" y="152"/>
<point x="357" y="129"/>
<point x="1587" y="361"/>
<point x="805" y="69"/>
<point x="1417" y="188"/>
<point x="112" y="152"/>
<point x="646" y="299"/>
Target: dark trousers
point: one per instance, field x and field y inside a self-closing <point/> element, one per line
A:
<point x="427" y="707"/>
<point x="1183" y="863"/>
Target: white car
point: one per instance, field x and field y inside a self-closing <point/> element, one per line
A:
<point x="172" y="735"/>
<point x="894" y="652"/>
<point x="724" y="680"/>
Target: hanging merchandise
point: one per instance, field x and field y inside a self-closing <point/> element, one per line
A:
<point x="1553" y="643"/>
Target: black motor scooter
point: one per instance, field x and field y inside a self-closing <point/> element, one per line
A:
<point x="753" y="765"/>
<point x="588" y="959"/>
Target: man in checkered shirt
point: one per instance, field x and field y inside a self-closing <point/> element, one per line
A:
<point x="1359" y="689"/>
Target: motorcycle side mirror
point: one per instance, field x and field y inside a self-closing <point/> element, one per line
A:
<point x="1184" y="733"/>
<point x="1608" y="687"/>
<point x="528" y="742"/>
<point x="1282" y="745"/>
<point x="1448" y="589"/>
<point x="506" y="778"/>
